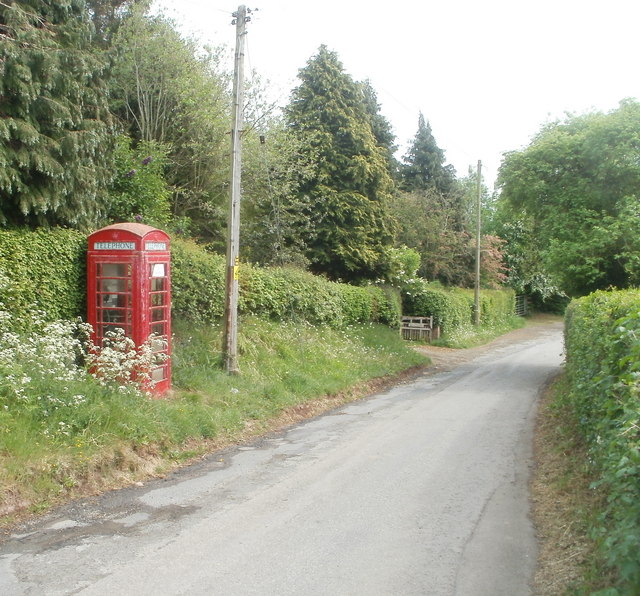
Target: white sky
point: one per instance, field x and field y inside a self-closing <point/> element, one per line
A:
<point x="486" y="74"/>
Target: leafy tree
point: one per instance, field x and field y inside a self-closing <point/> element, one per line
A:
<point x="577" y="182"/>
<point x="55" y="126"/>
<point x="274" y="227"/>
<point x="147" y="84"/>
<point x="442" y="229"/>
<point x="166" y="90"/>
<point x="424" y="166"/>
<point x="493" y="270"/>
<point x="346" y="199"/>
<point x="427" y="224"/>
<point x="437" y="211"/>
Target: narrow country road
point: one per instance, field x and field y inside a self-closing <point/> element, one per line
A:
<point x="418" y="490"/>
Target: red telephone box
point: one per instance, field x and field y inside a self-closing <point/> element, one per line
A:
<point x="129" y="287"/>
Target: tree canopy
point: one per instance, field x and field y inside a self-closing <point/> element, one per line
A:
<point x="108" y="15"/>
<point x="108" y="113"/>
<point x="165" y="90"/>
<point x="577" y="182"/>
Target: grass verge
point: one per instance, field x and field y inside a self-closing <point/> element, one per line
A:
<point x="53" y="449"/>
<point x="470" y="336"/>
<point x="564" y="504"/>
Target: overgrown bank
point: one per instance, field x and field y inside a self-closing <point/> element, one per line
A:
<point x="564" y="505"/>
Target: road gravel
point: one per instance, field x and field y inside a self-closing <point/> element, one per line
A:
<point x="421" y="489"/>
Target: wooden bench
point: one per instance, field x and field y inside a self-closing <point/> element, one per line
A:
<point x="416" y="328"/>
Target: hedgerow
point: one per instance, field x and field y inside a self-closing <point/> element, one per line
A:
<point x="275" y="293"/>
<point x="287" y="293"/>
<point x="46" y="273"/>
<point x="602" y="337"/>
<point x="453" y="308"/>
<point x="450" y="309"/>
<point x="197" y="282"/>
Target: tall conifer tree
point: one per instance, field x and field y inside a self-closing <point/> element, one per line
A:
<point x="108" y="15"/>
<point x="347" y="197"/>
<point x="425" y="167"/>
<point x="381" y="128"/>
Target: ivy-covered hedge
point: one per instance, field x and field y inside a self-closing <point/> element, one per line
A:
<point x="452" y="308"/>
<point x="46" y="270"/>
<point x="602" y="341"/>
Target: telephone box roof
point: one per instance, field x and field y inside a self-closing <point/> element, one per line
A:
<point x="129" y="236"/>
<point x="137" y="229"/>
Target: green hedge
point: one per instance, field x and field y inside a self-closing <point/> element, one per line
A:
<point x="46" y="271"/>
<point x="496" y="306"/>
<point x="197" y="282"/>
<point x="452" y="308"/>
<point x="602" y="341"/>
<point x="275" y="293"/>
<point x="287" y="293"/>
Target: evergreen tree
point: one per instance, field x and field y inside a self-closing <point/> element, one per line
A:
<point x="425" y="167"/>
<point x="54" y="120"/>
<point x="346" y="199"/>
<point x="381" y="128"/>
<point x="108" y="15"/>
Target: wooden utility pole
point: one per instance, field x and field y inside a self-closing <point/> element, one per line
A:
<point x="230" y="342"/>
<point x="476" y="302"/>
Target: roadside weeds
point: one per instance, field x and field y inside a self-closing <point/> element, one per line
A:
<point x="562" y="503"/>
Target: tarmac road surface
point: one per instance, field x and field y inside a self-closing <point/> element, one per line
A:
<point x="418" y="490"/>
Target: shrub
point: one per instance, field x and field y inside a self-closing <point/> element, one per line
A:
<point x="387" y="305"/>
<point x="450" y="309"/>
<point x="139" y="189"/>
<point x="496" y="306"/>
